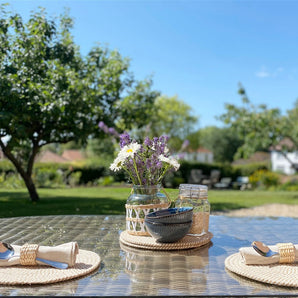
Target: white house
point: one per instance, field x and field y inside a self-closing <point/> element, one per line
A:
<point x="280" y="163"/>
<point x="200" y="155"/>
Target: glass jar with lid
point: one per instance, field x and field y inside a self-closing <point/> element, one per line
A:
<point x="196" y="196"/>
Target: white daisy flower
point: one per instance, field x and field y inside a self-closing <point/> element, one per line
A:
<point x="170" y="160"/>
<point x="174" y="163"/>
<point x="116" y="165"/>
<point x="163" y="158"/>
<point x="126" y="152"/>
<point x="129" y="150"/>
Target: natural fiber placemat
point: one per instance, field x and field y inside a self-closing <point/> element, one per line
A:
<point x="149" y="242"/>
<point x="275" y="274"/>
<point x="86" y="262"/>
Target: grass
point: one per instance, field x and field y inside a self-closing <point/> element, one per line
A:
<point x="231" y="200"/>
<point x="111" y="200"/>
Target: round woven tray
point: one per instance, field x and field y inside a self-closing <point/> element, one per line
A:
<point x="148" y="242"/>
<point x="86" y="262"/>
<point x="275" y="274"/>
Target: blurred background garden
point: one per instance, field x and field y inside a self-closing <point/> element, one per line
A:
<point x="62" y="110"/>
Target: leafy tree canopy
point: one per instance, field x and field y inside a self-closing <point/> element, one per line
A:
<point x="223" y="142"/>
<point x="172" y="117"/>
<point x="261" y="128"/>
<point x="49" y="93"/>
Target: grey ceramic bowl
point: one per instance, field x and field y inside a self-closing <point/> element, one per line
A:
<point x="167" y="232"/>
<point x="171" y="215"/>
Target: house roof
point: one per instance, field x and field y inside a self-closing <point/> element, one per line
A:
<point x="203" y="150"/>
<point x="284" y="143"/>
<point x="199" y="150"/>
<point x="73" y="155"/>
<point x="49" y="156"/>
<point x="258" y="156"/>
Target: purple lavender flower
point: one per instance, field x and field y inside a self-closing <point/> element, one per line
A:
<point x="113" y="131"/>
<point x="164" y="138"/>
<point x="148" y="164"/>
<point x="147" y="142"/>
<point x="181" y="155"/>
<point x="124" y="139"/>
<point x="103" y="126"/>
<point x="184" y="145"/>
<point x="159" y="164"/>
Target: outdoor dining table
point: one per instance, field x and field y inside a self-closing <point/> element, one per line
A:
<point x="127" y="271"/>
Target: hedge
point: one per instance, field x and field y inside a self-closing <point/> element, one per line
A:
<point x="91" y="172"/>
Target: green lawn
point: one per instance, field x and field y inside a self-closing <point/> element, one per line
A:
<point x="111" y="200"/>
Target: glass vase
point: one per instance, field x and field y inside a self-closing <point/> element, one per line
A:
<point x="143" y="200"/>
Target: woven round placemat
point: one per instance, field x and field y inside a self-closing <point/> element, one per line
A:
<point x="275" y="274"/>
<point x="149" y="242"/>
<point x="86" y="262"/>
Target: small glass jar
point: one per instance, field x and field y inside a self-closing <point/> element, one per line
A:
<point x="196" y="196"/>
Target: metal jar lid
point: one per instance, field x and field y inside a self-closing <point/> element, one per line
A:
<point x="193" y="191"/>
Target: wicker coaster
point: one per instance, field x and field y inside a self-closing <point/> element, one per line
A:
<point x="275" y="274"/>
<point x="148" y="242"/>
<point x="86" y="262"/>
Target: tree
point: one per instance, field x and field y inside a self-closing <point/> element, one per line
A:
<point x="172" y="117"/>
<point x="49" y="93"/>
<point x="261" y="128"/>
<point x="223" y="142"/>
<point x="290" y="125"/>
<point x="194" y="139"/>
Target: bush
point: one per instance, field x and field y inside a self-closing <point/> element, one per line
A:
<point x="74" y="178"/>
<point x="105" y="181"/>
<point x="11" y="181"/>
<point x="249" y="169"/>
<point x="57" y="174"/>
<point x="49" y="178"/>
<point x="183" y="173"/>
<point x="6" y="166"/>
<point x="92" y="172"/>
<point x="263" y="179"/>
<point x="290" y="185"/>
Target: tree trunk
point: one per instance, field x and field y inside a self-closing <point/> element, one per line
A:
<point x="25" y="175"/>
<point x="31" y="188"/>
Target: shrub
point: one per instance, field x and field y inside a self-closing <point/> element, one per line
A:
<point x="48" y="177"/>
<point x="263" y="179"/>
<point x="290" y="185"/>
<point x="74" y="178"/>
<point x="6" y="166"/>
<point x="90" y="174"/>
<point x="183" y="173"/>
<point x="249" y="169"/>
<point x="11" y="181"/>
<point x="105" y="181"/>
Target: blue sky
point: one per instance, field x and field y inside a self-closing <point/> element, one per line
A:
<point x="197" y="50"/>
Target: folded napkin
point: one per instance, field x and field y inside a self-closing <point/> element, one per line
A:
<point x="26" y="254"/>
<point x="251" y="257"/>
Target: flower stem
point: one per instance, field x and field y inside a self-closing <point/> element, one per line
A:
<point x="163" y="173"/>
<point x="136" y="169"/>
